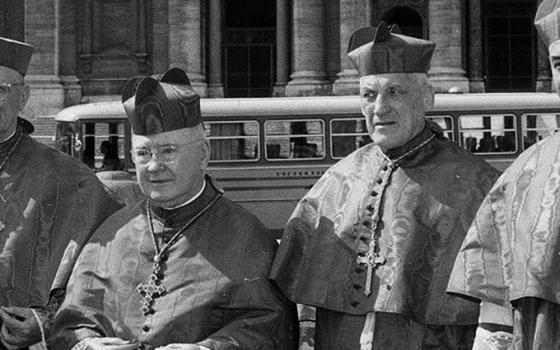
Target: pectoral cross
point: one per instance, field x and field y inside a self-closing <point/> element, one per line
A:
<point x="151" y="290"/>
<point x="372" y="260"/>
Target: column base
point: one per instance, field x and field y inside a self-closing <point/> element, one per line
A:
<point x="544" y="84"/>
<point x="477" y="85"/>
<point x="101" y="98"/>
<point x="347" y="83"/>
<point x="448" y="80"/>
<point x="308" y="83"/>
<point x="46" y="98"/>
<point x="215" y="90"/>
<point x="72" y="90"/>
<point x="279" y="90"/>
<point x="198" y="83"/>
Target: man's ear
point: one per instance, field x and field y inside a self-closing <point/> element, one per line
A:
<point x="24" y="96"/>
<point x="428" y="92"/>
<point x="205" y="155"/>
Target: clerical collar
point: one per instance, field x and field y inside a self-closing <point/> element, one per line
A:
<point x="178" y="216"/>
<point x="399" y="154"/>
<point x="9" y="137"/>
<point x="190" y="200"/>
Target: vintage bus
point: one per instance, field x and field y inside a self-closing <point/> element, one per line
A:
<point x="267" y="152"/>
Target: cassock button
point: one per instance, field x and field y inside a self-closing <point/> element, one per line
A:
<point x="388" y="287"/>
<point x="165" y="239"/>
<point x="354" y="304"/>
<point x="146" y="328"/>
<point x="367" y="224"/>
<point x="373" y="193"/>
<point x="384" y="168"/>
<point x="370" y="207"/>
<point x="356" y="286"/>
<point x="364" y="239"/>
<point x="379" y="181"/>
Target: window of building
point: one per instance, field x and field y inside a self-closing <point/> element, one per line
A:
<point x="249" y="44"/>
<point x="294" y="139"/>
<point x="12" y="16"/>
<point x="408" y="20"/>
<point x="489" y="133"/>
<point x="509" y="45"/>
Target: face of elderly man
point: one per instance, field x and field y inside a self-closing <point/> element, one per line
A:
<point x="175" y="173"/>
<point x="554" y="52"/>
<point x="13" y="95"/>
<point x="394" y="106"/>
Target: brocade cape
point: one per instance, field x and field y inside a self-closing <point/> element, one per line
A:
<point x="422" y="209"/>
<point x="512" y="249"/>
<point x="49" y="206"/>
<point x="216" y="275"/>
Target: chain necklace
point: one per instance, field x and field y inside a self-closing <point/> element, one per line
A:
<point x="5" y="160"/>
<point x="154" y="288"/>
<point x="373" y="257"/>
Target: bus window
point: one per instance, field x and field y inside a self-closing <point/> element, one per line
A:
<point x="490" y="133"/>
<point x="233" y="141"/>
<point x="94" y="133"/>
<point x="445" y="122"/>
<point x="65" y="139"/>
<point x="294" y="139"/>
<point x="538" y="126"/>
<point x="347" y="135"/>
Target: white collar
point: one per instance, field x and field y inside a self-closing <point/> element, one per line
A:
<point x="9" y="137"/>
<point x="190" y="200"/>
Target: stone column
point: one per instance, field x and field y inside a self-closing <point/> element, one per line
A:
<point x="353" y="15"/>
<point x="42" y="26"/>
<point x="215" y="84"/>
<point x="544" y="75"/>
<point x="282" y="47"/>
<point x="185" y="41"/>
<point x="445" y="28"/>
<point x="309" y="76"/>
<point x="476" y="71"/>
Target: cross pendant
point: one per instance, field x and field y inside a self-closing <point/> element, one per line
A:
<point x="372" y="261"/>
<point x="149" y="291"/>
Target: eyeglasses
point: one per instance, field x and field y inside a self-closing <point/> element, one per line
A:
<point x="164" y="153"/>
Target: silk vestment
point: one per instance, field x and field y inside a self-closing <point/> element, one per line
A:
<point x="511" y="253"/>
<point x="49" y="205"/>
<point x="421" y="206"/>
<point x="216" y="275"/>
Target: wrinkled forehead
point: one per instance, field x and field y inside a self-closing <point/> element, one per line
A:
<point x="378" y="81"/>
<point x="10" y="76"/>
<point x="174" y="137"/>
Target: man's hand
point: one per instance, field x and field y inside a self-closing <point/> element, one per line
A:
<point x="109" y="344"/>
<point x="182" y="347"/>
<point x="20" y="328"/>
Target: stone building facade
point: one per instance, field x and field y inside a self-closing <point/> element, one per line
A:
<point x="87" y="49"/>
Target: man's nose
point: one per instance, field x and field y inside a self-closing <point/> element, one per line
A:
<point x="155" y="164"/>
<point x="381" y="106"/>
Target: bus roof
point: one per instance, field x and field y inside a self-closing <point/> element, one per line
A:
<point x="276" y="106"/>
<point x="496" y="101"/>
